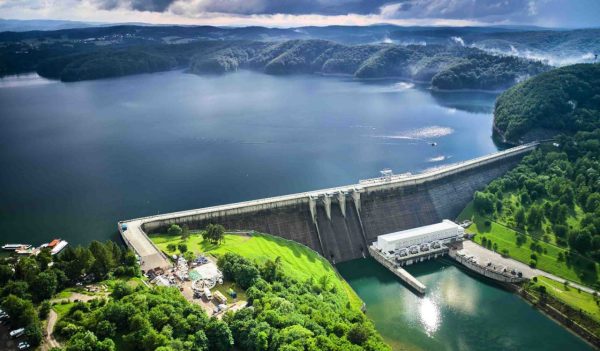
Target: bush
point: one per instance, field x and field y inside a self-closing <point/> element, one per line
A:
<point x="532" y="264"/>
<point x="174" y="229"/>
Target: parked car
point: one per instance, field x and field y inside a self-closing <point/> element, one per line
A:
<point x="17" y="332"/>
<point x="23" y="345"/>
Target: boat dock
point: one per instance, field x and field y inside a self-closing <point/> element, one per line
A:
<point x="400" y="272"/>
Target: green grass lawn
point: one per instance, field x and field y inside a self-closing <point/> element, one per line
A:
<point x="580" y="300"/>
<point x="298" y="261"/>
<point x="224" y="289"/>
<point x="547" y="260"/>
<point x="62" y="309"/>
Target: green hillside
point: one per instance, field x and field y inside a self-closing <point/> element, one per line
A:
<point x="565" y="99"/>
<point x="298" y="261"/>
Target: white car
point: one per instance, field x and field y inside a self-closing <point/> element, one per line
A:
<point x="17" y="332"/>
<point x="23" y="345"/>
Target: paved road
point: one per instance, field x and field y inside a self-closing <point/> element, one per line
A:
<point x="483" y="255"/>
<point x="150" y="256"/>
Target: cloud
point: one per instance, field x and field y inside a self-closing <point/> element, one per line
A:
<point x="290" y="13"/>
<point x="485" y="10"/>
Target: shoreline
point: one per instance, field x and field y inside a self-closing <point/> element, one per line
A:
<point x="582" y="333"/>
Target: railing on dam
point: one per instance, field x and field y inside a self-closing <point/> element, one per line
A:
<point x="366" y="185"/>
<point x="338" y="222"/>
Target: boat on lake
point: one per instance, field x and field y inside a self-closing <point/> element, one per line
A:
<point x="14" y="247"/>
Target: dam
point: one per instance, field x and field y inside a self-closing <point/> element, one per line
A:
<point x="339" y="222"/>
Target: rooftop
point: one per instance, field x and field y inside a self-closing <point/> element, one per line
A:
<point x="418" y="231"/>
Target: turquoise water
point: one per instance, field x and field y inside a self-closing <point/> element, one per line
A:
<point x="78" y="157"/>
<point x="458" y="311"/>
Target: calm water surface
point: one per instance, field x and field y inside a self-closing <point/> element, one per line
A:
<point x="78" y="157"/>
<point x="458" y="312"/>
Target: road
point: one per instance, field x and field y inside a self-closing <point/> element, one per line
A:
<point x="50" y="342"/>
<point x="150" y="255"/>
<point x="483" y="255"/>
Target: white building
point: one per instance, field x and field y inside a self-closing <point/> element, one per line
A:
<point x="443" y="232"/>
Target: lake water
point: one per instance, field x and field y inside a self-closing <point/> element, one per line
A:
<point x="458" y="312"/>
<point x="78" y="157"/>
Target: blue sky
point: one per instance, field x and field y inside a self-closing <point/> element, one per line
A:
<point x="286" y="13"/>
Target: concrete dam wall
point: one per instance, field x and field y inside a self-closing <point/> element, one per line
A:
<point x="340" y="222"/>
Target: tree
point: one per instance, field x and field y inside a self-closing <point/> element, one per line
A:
<point x="33" y="333"/>
<point x="104" y="260"/>
<point x="182" y="247"/>
<point x="219" y="335"/>
<point x="185" y="232"/>
<point x="105" y="329"/>
<point x="44" y="258"/>
<point x="20" y="311"/>
<point x="188" y="256"/>
<point x="358" y="334"/>
<point x="27" y="269"/>
<point x="6" y="273"/>
<point x="43" y="286"/>
<point x="44" y="309"/>
<point x="174" y="230"/>
<point x="88" y="341"/>
<point x="484" y="202"/>
<point x="171" y="247"/>
<point x="534" y="218"/>
<point x="520" y="218"/>
<point x="246" y="275"/>
<point x="593" y="202"/>
<point x="214" y="233"/>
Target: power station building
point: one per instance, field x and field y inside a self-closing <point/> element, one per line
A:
<point x="439" y="233"/>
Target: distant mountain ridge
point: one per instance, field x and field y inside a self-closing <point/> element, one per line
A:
<point x="446" y="57"/>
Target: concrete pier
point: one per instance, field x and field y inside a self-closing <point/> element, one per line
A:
<point x="400" y="272"/>
<point x="339" y="222"/>
<point x="485" y="265"/>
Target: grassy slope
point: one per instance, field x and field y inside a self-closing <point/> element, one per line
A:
<point x="571" y="296"/>
<point x="298" y="261"/>
<point x="506" y="238"/>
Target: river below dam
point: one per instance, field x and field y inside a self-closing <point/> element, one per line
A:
<point x="78" y="157"/>
<point x="459" y="312"/>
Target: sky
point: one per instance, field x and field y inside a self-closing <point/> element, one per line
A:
<point x="292" y="13"/>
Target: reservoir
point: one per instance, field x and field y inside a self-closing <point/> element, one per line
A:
<point x="78" y="157"/>
<point x="458" y="311"/>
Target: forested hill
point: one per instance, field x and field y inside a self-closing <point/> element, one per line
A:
<point x="444" y="66"/>
<point x="565" y="99"/>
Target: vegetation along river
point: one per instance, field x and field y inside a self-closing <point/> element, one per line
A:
<point x="77" y="157"/>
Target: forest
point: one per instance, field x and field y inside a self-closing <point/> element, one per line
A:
<point x="28" y="283"/>
<point x="551" y="202"/>
<point x="443" y="66"/>
<point x="566" y="99"/>
<point x="282" y="314"/>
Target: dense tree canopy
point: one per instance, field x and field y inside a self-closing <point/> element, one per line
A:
<point x="24" y="294"/>
<point x="566" y="99"/>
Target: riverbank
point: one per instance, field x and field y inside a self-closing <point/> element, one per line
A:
<point x="575" y="321"/>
